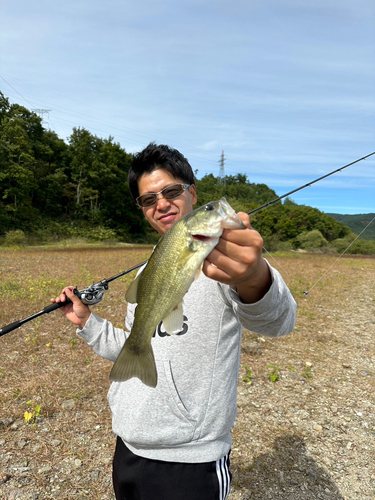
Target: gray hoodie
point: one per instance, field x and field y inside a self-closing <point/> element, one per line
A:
<point x="189" y="415"/>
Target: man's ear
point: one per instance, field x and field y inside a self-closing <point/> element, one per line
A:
<point x="193" y="192"/>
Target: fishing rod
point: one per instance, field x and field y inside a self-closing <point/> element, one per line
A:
<point x="94" y="294"/>
<point x="308" y="184"/>
<point x="90" y="296"/>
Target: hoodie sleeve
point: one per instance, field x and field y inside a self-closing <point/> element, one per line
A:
<point x="273" y="316"/>
<point x="106" y="340"/>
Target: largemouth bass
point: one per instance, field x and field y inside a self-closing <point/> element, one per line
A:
<point x="159" y="289"/>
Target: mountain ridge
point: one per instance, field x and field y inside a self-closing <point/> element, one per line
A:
<point x="357" y="223"/>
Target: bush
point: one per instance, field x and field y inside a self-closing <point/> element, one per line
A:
<point x="349" y="246"/>
<point x="341" y="244"/>
<point x="14" y="237"/>
<point x="312" y="240"/>
<point x="363" y="247"/>
<point x="273" y="243"/>
<point x="52" y="231"/>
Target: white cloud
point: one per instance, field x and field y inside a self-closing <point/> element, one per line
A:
<point x="209" y="146"/>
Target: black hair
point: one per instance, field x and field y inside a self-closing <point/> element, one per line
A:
<point x="155" y="157"/>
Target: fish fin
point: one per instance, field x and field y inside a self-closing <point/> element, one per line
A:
<point x="231" y="219"/>
<point x="198" y="272"/>
<point x="186" y="253"/>
<point x="129" y="365"/>
<point x="132" y="292"/>
<point x="174" y="322"/>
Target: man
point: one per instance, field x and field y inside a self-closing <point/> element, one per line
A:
<point x="174" y="440"/>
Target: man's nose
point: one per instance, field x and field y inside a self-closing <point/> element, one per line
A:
<point x="161" y="202"/>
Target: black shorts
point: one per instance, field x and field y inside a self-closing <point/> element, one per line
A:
<point x="138" y="478"/>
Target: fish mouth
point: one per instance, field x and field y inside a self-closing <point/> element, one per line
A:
<point x="201" y="237"/>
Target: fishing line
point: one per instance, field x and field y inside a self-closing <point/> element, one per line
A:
<point x="16" y="90"/>
<point x="92" y="293"/>
<point x="278" y="263"/>
<point x="346" y="249"/>
<point x="308" y="184"/>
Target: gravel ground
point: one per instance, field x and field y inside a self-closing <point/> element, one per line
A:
<point x="311" y="434"/>
<point x="306" y="413"/>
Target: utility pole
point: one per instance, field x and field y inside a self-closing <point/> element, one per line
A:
<point x="41" y="113"/>
<point x="222" y="171"/>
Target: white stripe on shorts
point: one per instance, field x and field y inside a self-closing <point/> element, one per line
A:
<point x="222" y="471"/>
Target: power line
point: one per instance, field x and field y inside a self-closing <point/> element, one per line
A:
<point x="123" y="129"/>
<point x="15" y="90"/>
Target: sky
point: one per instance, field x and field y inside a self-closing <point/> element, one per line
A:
<point x="285" y="89"/>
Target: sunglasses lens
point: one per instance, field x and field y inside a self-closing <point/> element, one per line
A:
<point x="172" y="191"/>
<point x="169" y="193"/>
<point x="147" y="200"/>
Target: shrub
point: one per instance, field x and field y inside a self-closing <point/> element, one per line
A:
<point x="311" y="240"/>
<point x="15" y="237"/>
<point x="363" y="247"/>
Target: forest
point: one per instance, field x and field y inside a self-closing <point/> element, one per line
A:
<point x="52" y="190"/>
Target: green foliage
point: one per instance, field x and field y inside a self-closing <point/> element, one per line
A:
<point x="354" y="246"/>
<point x="311" y="240"/>
<point x="357" y="223"/>
<point x="237" y="189"/>
<point x="15" y="237"/>
<point x="289" y="221"/>
<point x="248" y="376"/>
<point x="362" y="247"/>
<point x="73" y="342"/>
<point x="273" y="243"/>
<point x="54" y="190"/>
<point x="273" y="373"/>
<point x="32" y="416"/>
<point x="47" y="182"/>
<point x="307" y="373"/>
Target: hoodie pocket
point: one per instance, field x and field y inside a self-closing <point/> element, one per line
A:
<point x="151" y="417"/>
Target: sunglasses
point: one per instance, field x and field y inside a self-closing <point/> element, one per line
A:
<point x="169" y="193"/>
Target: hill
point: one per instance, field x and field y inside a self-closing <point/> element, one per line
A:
<point x="357" y="223"/>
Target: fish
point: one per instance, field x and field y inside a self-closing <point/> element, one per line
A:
<point x="159" y="289"/>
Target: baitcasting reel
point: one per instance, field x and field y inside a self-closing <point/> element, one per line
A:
<point x="92" y="294"/>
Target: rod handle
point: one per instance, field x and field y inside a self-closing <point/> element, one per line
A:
<point x="56" y="305"/>
<point x="9" y="328"/>
<point x="46" y="310"/>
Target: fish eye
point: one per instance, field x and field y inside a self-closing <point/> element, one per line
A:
<point x="209" y="208"/>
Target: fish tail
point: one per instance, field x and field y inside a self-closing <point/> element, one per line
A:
<point x="130" y="364"/>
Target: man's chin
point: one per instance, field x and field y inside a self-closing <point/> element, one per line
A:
<point x="167" y="226"/>
<point x="164" y="226"/>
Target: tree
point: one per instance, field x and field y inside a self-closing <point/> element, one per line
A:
<point x="17" y="180"/>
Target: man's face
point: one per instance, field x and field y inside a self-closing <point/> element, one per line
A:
<point x="165" y="213"/>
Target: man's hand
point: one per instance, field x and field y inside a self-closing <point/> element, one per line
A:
<point x="77" y="312"/>
<point x="237" y="260"/>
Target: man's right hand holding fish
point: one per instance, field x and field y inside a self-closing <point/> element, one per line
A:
<point x="237" y="260"/>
